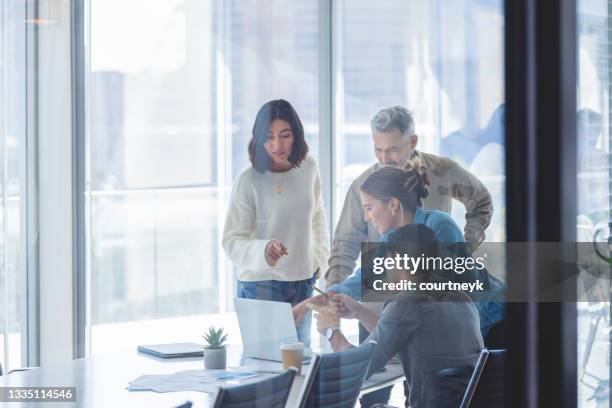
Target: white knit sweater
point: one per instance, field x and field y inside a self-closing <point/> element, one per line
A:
<point x="296" y="217"/>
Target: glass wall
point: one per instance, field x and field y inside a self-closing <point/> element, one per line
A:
<point x="594" y="200"/>
<point x="12" y="180"/>
<point x="172" y="91"/>
<point x="431" y="57"/>
<point x="173" y="88"/>
<point x="149" y="254"/>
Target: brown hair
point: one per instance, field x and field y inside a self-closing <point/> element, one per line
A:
<point x="409" y="186"/>
<point x="276" y="109"/>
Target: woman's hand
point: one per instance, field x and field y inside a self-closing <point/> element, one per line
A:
<point x="345" y="306"/>
<point x="301" y="309"/>
<point x="274" y="251"/>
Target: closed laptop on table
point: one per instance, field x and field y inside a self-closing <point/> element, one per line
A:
<point x="172" y="350"/>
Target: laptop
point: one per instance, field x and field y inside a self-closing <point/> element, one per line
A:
<point x="264" y="326"/>
<point x="173" y="350"/>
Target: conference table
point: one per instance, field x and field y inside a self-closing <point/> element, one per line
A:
<point x="102" y="380"/>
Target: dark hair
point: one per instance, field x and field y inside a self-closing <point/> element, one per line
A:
<point x="415" y="237"/>
<point x="276" y="109"/>
<point x="409" y="186"/>
<point x="413" y="240"/>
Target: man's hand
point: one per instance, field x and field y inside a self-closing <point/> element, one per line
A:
<point x="325" y="317"/>
<point x="274" y="251"/>
<point x="345" y="306"/>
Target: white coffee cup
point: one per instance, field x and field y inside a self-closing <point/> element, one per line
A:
<point x="292" y="355"/>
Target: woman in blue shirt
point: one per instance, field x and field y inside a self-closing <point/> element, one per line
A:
<point x="393" y="198"/>
<point x="414" y="325"/>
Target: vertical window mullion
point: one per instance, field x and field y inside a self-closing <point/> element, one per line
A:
<point x="327" y="73"/>
<point x="29" y="218"/>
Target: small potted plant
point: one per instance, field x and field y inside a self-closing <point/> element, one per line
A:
<point x="214" y="349"/>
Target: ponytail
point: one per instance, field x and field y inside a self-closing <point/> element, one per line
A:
<point x="417" y="180"/>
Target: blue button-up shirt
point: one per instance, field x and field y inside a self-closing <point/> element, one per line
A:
<point x="445" y="228"/>
<point x="447" y="231"/>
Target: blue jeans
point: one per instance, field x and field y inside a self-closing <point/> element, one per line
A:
<point x="280" y="291"/>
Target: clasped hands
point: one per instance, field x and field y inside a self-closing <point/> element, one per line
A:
<point x="329" y="309"/>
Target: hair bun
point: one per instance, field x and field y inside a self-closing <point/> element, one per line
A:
<point x="424" y="187"/>
<point x="424" y="176"/>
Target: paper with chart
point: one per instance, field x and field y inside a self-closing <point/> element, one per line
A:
<point x="191" y="380"/>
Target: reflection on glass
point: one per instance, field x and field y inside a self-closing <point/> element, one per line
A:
<point x="431" y="57"/>
<point x="594" y="200"/>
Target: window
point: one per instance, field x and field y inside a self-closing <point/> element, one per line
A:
<point x="12" y="183"/>
<point x="172" y="92"/>
<point x="593" y="192"/>
<point x="431" y="57"/>
<point x="172" y="89"/>
<point x="151" y="188"/>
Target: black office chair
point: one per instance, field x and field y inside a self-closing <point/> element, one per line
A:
<point x="335" y="379"/>
<point x="269" y="393"/>
<point x="489" y="390"/>
<point x="485" y="387"/>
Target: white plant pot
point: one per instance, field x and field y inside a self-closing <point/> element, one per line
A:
<point x="214" y="358"/>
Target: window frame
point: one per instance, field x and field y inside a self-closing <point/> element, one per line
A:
<point x="31" y="303"/>
<point x="541" y="57"/>
<point x="534" y="107"/>
<point x="79" y="20"/>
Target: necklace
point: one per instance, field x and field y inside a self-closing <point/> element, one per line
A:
<point x="279" y="186"/>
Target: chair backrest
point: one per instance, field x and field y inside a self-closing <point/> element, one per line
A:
<point x="313" y="369"/>
<point x="486" y="388"/>
<point x="269" y="393"/>
<point x="336" y="379"/>
<point x="450" y="386"/>
<point x="475" y="377"/>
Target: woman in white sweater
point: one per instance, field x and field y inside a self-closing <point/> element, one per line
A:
<point x="275" y="231"/>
